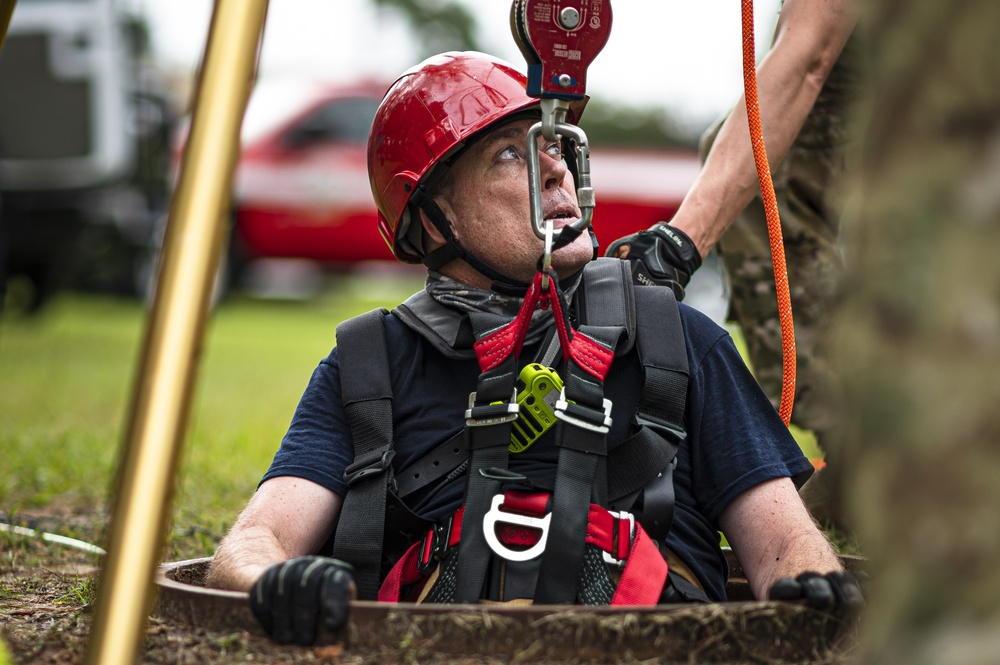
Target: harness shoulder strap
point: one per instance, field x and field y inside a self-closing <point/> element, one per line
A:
<point x="606" y="298"/>
<point x="660" y="416"/>
<point x="366" y="388"/>
<point x="487" y="439"/>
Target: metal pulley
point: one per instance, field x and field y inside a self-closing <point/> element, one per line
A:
<point x="559" y="39"/>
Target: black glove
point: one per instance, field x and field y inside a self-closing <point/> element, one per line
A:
<point x="837" y="592"/>
<point x="662" y="255"/>
<point x="292" y="598"/>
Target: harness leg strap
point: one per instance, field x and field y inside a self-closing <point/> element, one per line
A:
<point x="617" y="534"/>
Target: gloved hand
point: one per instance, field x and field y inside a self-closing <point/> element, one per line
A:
<point x="662" y="255"/>
<point x="837" y="592"/>
<point x="292" y="598"/>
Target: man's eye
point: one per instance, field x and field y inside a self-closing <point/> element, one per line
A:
<point x="554" y="150"/>
<point x="509" y="152"/>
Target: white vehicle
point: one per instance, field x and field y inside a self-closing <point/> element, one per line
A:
<point x="78" y="143"/>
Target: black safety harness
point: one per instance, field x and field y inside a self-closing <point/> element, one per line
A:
<point x="378" y="527"/>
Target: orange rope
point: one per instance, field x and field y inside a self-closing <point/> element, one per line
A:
<point x="773" y="221"/>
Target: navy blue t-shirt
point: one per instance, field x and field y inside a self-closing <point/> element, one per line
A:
<point x="735" y="438"/>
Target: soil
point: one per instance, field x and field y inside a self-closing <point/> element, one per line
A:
<point x="46" y="607"/>
<point x="46" y="610"/>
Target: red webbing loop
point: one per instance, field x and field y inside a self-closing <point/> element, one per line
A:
<point x="624" y="537"/>
<point x="601" y="529"/>
<point x="533" y="504"/>
<point x="404" y="572"/>
<point x="494" y="348"/>
<point x="590" y="355"/>
<point x="645" y="573"/>
<point x="773" y="220"/>
<point x="407" y="569"/>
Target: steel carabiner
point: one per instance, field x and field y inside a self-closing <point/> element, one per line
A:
<point x="559" y="39"/>
<point x="584" y="192"/>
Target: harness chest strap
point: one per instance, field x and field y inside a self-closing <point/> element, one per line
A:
<point x="641" y="581"/>
<point x="653" y="324"/>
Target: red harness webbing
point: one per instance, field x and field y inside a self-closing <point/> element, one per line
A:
<point x="641" y="581"/>
<point x="496" y="347"/>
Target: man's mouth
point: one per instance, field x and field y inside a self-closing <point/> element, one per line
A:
<point x="561" y="218"/>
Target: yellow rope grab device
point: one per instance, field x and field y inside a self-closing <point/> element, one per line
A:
<point x="559" y="39"/>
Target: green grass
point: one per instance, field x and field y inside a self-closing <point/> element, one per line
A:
<point x="66" y="378"/>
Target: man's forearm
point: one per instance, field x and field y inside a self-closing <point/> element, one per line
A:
<point x="807" y="550"/>
<point x="808" y="40"/>
<point x="773" y="535"/>
<point x="286" y="517"/>
<point x="242" y="557"/>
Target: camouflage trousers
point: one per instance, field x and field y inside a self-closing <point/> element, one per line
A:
<point x="810" y="207"/>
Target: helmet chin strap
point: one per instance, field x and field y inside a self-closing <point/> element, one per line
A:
<point x="452" y="249"/>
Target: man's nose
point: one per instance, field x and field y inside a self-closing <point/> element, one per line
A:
<point x="553" y="169"/>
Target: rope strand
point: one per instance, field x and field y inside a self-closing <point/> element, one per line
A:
<point x="773" y="220"/>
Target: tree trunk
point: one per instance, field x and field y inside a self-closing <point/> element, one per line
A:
<point x="919" y="335"/>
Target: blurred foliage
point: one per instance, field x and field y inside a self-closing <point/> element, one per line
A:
<point x="439" y="26"/>
<point x="608" y="123"/>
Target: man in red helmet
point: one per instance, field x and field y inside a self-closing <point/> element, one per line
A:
<point x="399" y="472"/>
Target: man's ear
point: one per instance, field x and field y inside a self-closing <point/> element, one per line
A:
<point x="431" y="232"/>
<point x="434" y="235"/>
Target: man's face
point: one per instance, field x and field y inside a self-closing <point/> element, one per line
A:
<point x="487" y="202"/>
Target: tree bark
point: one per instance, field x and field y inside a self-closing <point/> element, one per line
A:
<point x="918" y="335"/>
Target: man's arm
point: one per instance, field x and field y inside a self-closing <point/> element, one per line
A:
<point x="287" y="517"/>
<point x="774" y="537"/>
<point x="809" y="38"/>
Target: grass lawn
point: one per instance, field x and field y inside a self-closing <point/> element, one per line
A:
<point x="66" y="378"/>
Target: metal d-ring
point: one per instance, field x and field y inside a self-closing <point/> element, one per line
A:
<point x="495" y="515"/>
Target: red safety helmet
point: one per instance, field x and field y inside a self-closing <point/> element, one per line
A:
<point x="428" y="114"/>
